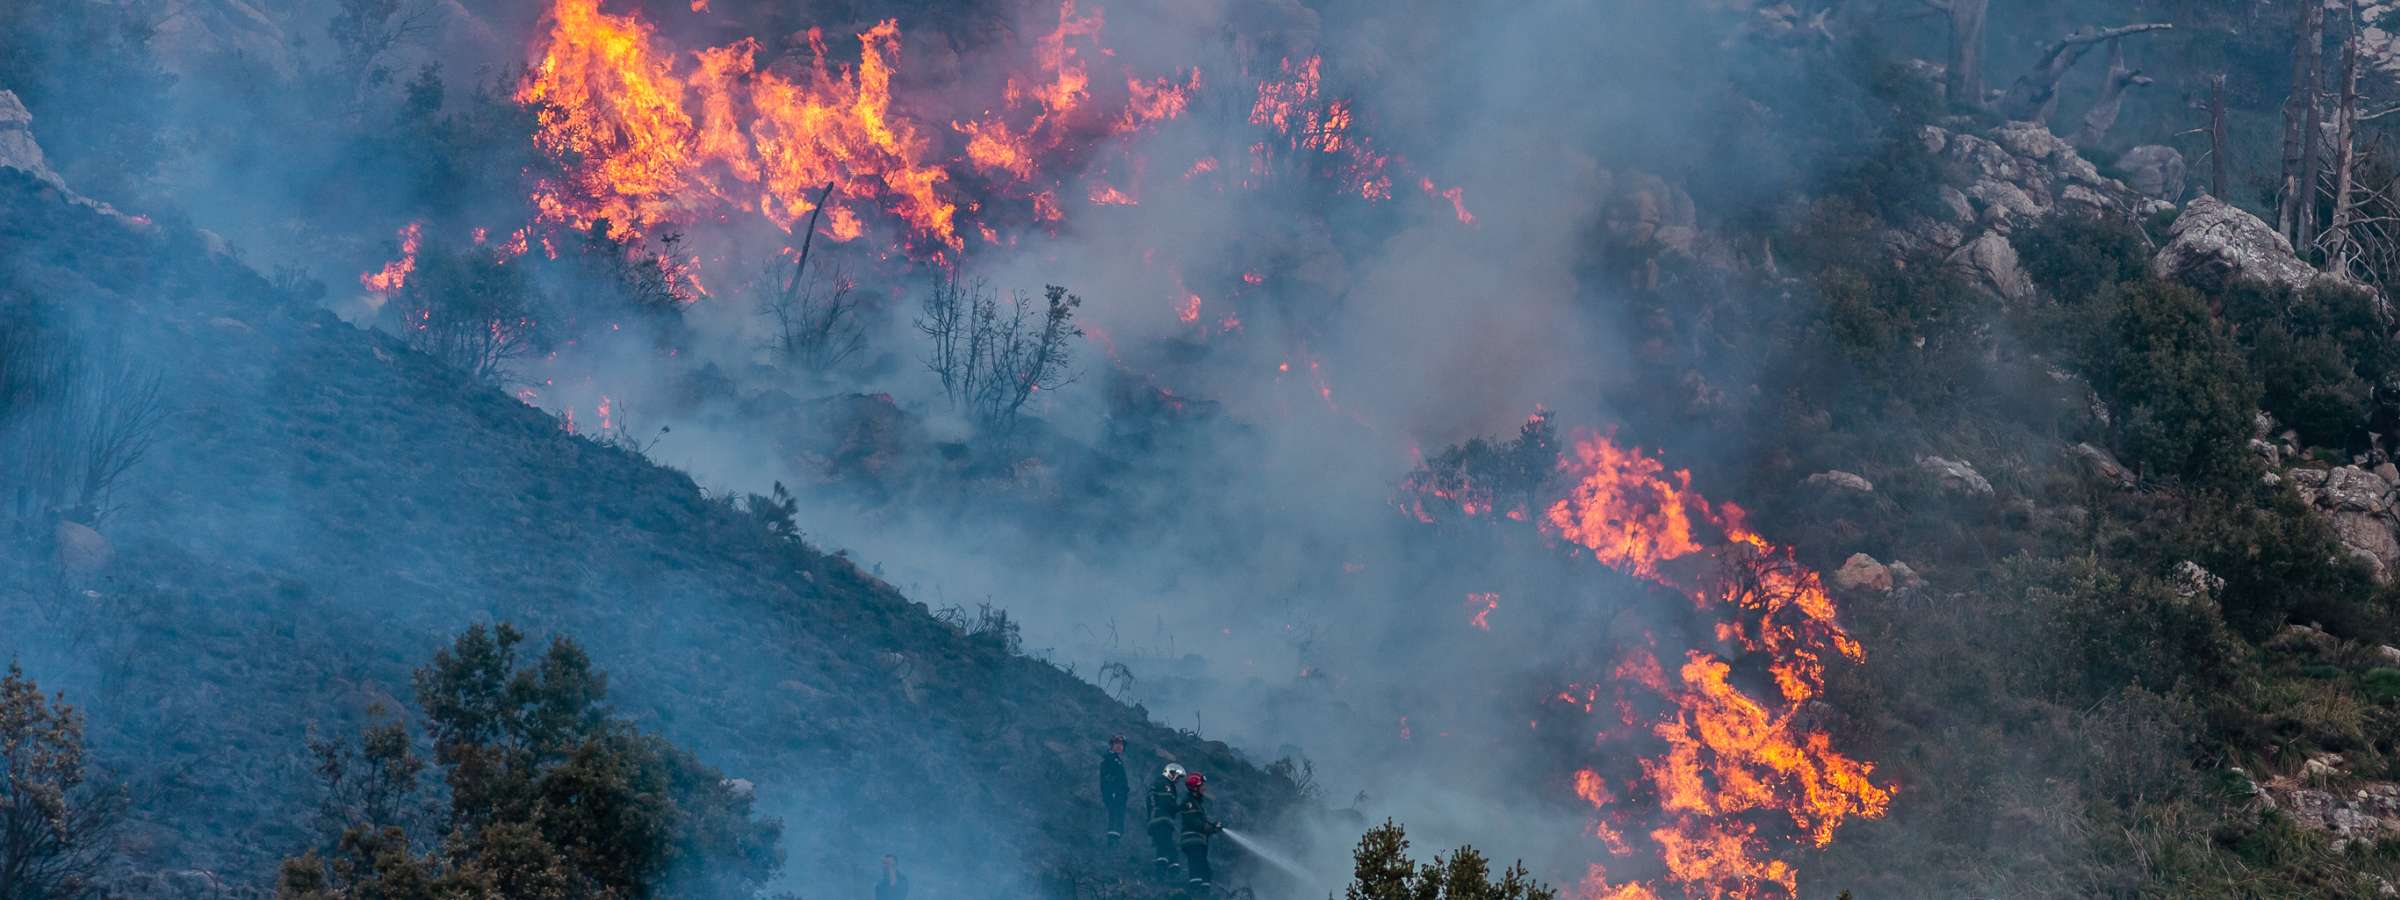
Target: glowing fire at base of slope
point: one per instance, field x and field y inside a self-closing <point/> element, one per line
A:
<point x="1724" y="767"/>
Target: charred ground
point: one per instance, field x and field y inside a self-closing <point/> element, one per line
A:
<point x="324" y="508"/>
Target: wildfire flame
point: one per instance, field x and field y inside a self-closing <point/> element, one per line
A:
<point x="394" y="274"/>
<point x="643" y="134"/>
<point x="615" y="109"/>
<point x="1482" y="604"/>
<point x="1734" y="762"/>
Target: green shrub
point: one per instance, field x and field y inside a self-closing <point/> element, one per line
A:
<point x="2382" y="684"/>
<point x="549" y="795"/>
<point x="2280" y="561"/>
<point x="2073" y="258"/>
<point x="2318" y="354"/>
<point x="2183" y="397"/>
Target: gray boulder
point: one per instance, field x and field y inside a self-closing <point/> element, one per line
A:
<point x="1862" y="573"/>
<point x="2190" y="580"/>
<point x="19" y="151"/>
<point x="17" y="147"/>
<point x="2361" y="506"/>
<point x="2155" y="170"/>
<point x="2100" y="463"/>
<point x="1837" y="479"/>
<point x="1990" y="263"/>
<point x="1955" y="475"/>
<point x="2214" y="244"/>
<point x="82" y="552"/>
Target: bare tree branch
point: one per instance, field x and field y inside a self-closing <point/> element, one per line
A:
<point x="2035" y="94"/>
<point x="2103" y="115"/>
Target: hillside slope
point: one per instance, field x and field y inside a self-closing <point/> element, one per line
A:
<point x="324" y="508"/>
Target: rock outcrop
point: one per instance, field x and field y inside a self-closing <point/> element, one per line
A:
<point x="2360" y="503"/>
<point x="1862" y="573"/>
<point x="1956" y="476"/>
<point x="2155" y="170"/>
<point x="2005" y="180"/>
<point x="2215" y="243"/>
<point x="1644" y="212"/>
<point x="1836" y="479"/>
<point x="2189" y="580"/>
<point x="17" y="147"/>
<point x="2318" y="798"/>
<point x="1990" y="262"/>
<point x="82" y="552"/>
<point x="203" y="33"/>
<point x="2022" y="172"/>
<point x="2102" y="464"/>
<point x="19" y="151"/>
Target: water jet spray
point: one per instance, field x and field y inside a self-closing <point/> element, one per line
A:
<point x="1260" y="852"/>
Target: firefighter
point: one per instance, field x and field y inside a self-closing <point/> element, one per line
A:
<point x="1196" y="829"/>
<point x="1113" y="788"/>
<point x="1165" y="804"/>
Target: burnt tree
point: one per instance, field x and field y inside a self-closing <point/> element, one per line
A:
<point x="993" y="357"/>
<point x="2295" y="196"/>
<point x="2337" y="242"/>
<point x="2103" y="115"/>
<point x="2034" y="95"/>
<point x="1962" y="82"/>
<point x="2217" y="177"/>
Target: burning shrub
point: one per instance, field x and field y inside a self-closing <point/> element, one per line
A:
<point x="993" y="358"/>
<point x="469" y="309"/>
<point x="1481" y="477"/>
<point x="633" y="277"/>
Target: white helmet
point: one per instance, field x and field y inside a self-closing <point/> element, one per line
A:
<point x="1174" y="772"/>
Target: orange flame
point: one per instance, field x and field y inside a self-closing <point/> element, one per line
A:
<point x="644" y="134"/>
<point x="611" y="106"/>
<point x="1296" y="108"/>
<point x="1483" y="604"/>
<point x="394" y="274"/>
<point x="1733" y="761"/>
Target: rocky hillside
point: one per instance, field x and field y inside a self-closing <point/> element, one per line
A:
<point x="323" y="508"/>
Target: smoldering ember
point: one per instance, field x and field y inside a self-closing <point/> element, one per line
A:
<point x="1127" y="450"/>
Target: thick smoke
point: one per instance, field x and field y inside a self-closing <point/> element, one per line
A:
<point x="1242" y="554"/>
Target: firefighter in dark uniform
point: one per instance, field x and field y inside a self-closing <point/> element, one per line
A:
<point x="1166" y="803"/>
<point x="1195" y="828"/>
<point x="1113" y="787"/>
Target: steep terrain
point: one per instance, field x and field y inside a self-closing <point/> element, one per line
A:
<point x="322" y="509"/>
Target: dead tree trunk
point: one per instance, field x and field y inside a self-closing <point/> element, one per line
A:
<point x="1963" y="81"/>
<point x="800" y="269"/>
<point x="2337" y="242"/>
<point x="2103" y="115"/>
<point x="2312" y="166"/>
<point x="2034" y="95"/>
<point x="2299" y="123"/>
<point x="2217" y="179"/>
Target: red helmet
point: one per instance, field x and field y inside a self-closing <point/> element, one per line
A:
<point x="1194" y="781"/>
